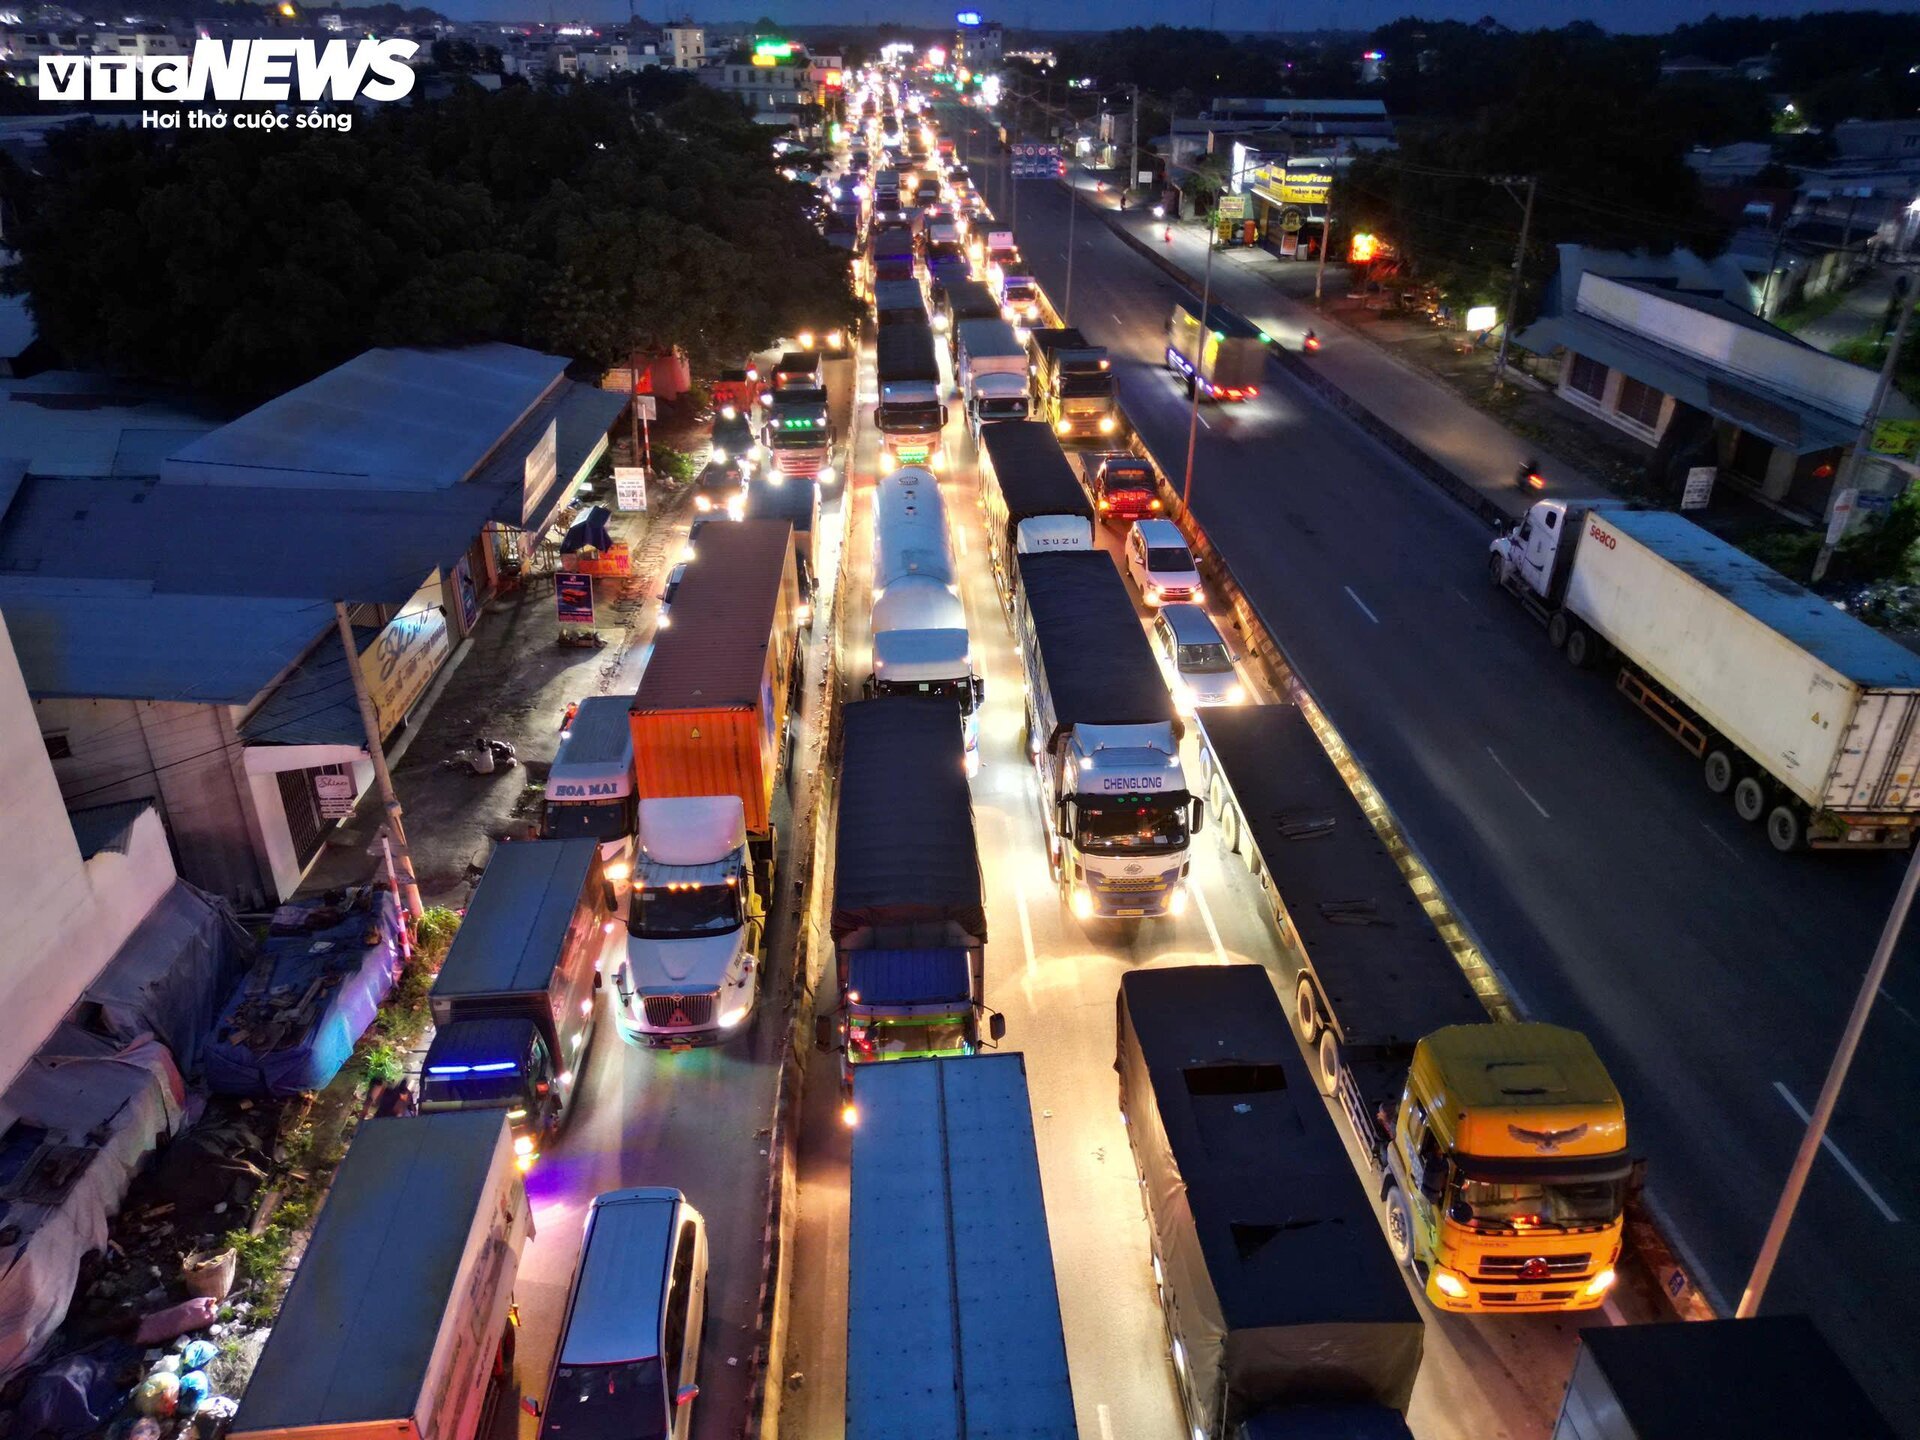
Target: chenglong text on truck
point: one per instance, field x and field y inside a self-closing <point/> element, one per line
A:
<point x="1810" y="720"/>
<point x="1501" y="1148"/>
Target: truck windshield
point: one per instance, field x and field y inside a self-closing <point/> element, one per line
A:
<point x="1205" y="660"/>
<point x="800" y="439"/>
<point x="910" y="418"/>
<point x="959" y="689"/>
<point x="1014" y="409"/>
<point x="475" y="1091"/>
<point x="1581" y="1202"/>
<point x="1125" y="825"/>
<point x="607" y="1402"/>
<point x="1085" y="386"/>
<point x="666" y="911"/>
<point x="587" y="820"/>
<point x="907" y="1039"/>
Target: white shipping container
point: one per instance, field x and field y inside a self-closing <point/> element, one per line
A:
<point x="1825" y="704"/>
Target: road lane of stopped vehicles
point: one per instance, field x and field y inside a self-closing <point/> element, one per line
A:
<point x="1073" y="389"/>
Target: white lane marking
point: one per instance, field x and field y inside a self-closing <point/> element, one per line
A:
<point x="1725" y="844"/>
<point x="1612" y="1312"/>
<point x="1106" y="1422"/>
<point x="1026" y="923"/>
<point x="1361" y="603"/>
<point x="1887" y="996"/>
<point x="1461" y="593"/>
<point x="1206" y="917"/>
<point x="1118" y="321"/>
<point x="1826" y="1143"/>
<point x="1518" y="786"/>
<point x="1203" y="420"/>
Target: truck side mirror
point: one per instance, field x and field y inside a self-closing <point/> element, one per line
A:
<point x="1199" y="814"/>
<point x="996" y="1027"/>
<point x="1063" y="816"/>
<point x="979" y="689"/>
<point x="599" y="980"/>
<point x="867" y="687"/>
<point x="823" y="1032"/>
<point x="944" y="413"/>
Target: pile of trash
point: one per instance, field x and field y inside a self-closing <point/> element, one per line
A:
<point x="1890" y="605"/>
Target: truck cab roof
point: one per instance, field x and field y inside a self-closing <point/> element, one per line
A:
<point x="1520" y="1090"/>
<point x="698" y="830"/>
<point x="481" y="1047"/>
<point x="595" y="760"/>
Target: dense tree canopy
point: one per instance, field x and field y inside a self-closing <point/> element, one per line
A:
<point x="583" y="224"/>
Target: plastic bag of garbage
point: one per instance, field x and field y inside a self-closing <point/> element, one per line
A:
<point x="175" y="1320"/>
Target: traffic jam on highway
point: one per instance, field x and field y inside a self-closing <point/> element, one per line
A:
<point x="1159" y="1099"/>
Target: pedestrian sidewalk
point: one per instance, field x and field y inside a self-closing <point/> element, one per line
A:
<point x="1860" y="312"/>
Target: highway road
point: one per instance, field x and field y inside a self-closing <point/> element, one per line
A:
<point x="1610" y="890"/>
<point x="1056" y="982"/>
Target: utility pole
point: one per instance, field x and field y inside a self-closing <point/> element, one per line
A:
<point x="1513" y="293"/>
<point x="1199" y="349"/>
<point x="383" y="777"/>
<point x="1073" y="207"/>
<point x="1816" y="1135"/>
<point x="1133" y="151"/>
<point x="1320" y="272"/>
<point x="1863" y="442"/>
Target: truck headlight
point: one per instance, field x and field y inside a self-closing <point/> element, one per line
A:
<point x="1599" y="1284"/>
<point x="1108" y="424"/>
<point x="730" y="1018"/>
<point x="1449" y="1284"/>
<point x="719" y="454"/>
<point x="1236" y="695"/>
<point x="1063" y="427"/>
<point x="737" y="507"/>
<point x="1177" y="901"/>
<point x="828" y="475"/>
<point x="1081" y="903"/>
<point x="702" y="504"/>
<point x="523" y="1145"/>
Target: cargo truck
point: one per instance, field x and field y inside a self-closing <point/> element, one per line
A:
<point x="1285" y="1312"/>
<point x="513" y="1006"/>
<point x="1031" y="499"/>
<point x="1807" y="718"/>
<point x="920" y="641"/>
<point x="889" y="251"/>
<point x="417" y="1245"/>
<point x="798" y="503"/>
<point x="797" y="436"/>
<point x="1104" y="738"/>
<point x="713" y="714"/>
<point x="1123" y="487"/>
<point x="1073" y="389"/>
<point x="589" y="788"/>
<point x="955" y="304"/>
<point x="899" y="302"/>
<point x="1500" y="1149"/>
<point x="910" y="417"/>
<point x="909" y="923"/>
<point x="953" y="1316"/>
<point x="1231" y="362"/>
<point x="1773" y="1377"/>
<point x="990" y="367"/>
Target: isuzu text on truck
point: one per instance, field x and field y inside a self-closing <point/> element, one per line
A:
<point x="1810" y="720"/>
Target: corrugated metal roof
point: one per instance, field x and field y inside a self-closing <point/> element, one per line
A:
<point x="910" y="977"/>
<point x="1832" y="636"/>
<point x="716" y="650"/>
<point x="385" y="420"/>
<point x="66" y="422"/>
<point x="315" y="705"/>
<point x="582" y="415"/>
<point x="106" y="827"/>
<point x="518" y="918"/>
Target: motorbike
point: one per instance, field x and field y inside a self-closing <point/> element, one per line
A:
<point x="484" y="756"/>
<point x="1309" y="343"/>
<point x="1529" y="477"/>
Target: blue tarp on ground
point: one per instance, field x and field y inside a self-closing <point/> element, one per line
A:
<point x="341" y="973"/>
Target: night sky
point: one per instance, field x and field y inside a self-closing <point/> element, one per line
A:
<point x="1622" y="15"/>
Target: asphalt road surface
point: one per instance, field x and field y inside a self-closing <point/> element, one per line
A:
<point x="1610" y="890"/>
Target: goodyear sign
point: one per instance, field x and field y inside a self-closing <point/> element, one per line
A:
<point x="1290" y="185"/>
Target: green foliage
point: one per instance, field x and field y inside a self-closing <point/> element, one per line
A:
<point x="585" y="224"/>
<point x="433" y="932"/>
<point x="1880" y="553"/>
<point x="674" y="464"/>
<point x="385" y="1062"/>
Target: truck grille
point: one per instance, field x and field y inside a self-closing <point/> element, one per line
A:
<point x="1121" y="882"/>
<point x="797" y="462"/>
<point x="1511" y="1297"/>
<point x="1514" y="1267"/>
<point x="679" y="1012"/>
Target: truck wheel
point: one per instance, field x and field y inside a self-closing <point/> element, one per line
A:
<point x="1785" y="828"/>
<point x="1306" y="1010"/>
<point x="1496" y="570"/>
<point x="1558" y="628"/>
<point x="1328" y="1069"/>
<point x="1400" y="1227"/>
<point x="1580" y="647"/>
<point x="1749" y="799"/>
<point x="1718" y="770"/>
<point x="1229" y="827"/>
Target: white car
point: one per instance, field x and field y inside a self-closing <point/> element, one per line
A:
<point x="1195" y="659"/>
<point x="1160" y="563"/>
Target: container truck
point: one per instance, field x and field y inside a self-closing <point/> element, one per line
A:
<point x="990" y="367"/>
<point x="589" y="790"/>
<point x="417" y="1246"/>
<point x="1285" y="1312"/>
<point x="1500" y="1148"/>
<point x="798" y="503"/>
<point x="1032" y="501"/>
<point x="964" y="300"/>
<point x="920" y="640"/>
<point x="909" y="923"/>
<point x="953" y="1316"/>
<point x="1773" y="1377"/>
<point x="1232" y="361"/>
<point x="1073" y="389"/>
<point x="1105" y="740"/>
<point x="513" y="1006"/>
<point x="1802" y="714"/>
<point x="910" y="417"/>
<point x="899" y="302"/>
<point x="713" y="714"/>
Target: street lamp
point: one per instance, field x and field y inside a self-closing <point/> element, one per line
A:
<point x="1199" y="347"/>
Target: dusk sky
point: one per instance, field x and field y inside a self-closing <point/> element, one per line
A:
<point x="1629" y="15"/>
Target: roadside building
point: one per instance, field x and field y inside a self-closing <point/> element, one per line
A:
<point x="772" y="78"/>
<point x="1667" y="349"/>
<point x="685" y="44"/>
<point x="170" y="584"/>
<point x="1283" y="127"/>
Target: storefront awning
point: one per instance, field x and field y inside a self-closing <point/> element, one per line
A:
<point x="315" y="704"/>
<point x="579" y="417"/>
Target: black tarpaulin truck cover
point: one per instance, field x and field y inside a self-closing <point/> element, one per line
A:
<point x="904" y="353"/>
<point x="904" y="849"/>
<point x="1098" y="665"/>
<point x="1281" y="1287"/>
<point x="1031" y="472"/>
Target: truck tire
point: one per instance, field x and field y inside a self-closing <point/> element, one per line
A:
<point x="1496" y="571"/>
<point x="1306" y="1010"/>
<point x="1718" y="770"/>
<point x="1559" y="626"/>
<point x="1786" y="827"/>
<point x="1400" y="1227"/>
<point x="1327" y="1062"/>
<point x="1749" y="799"/>
<point x="1229" y="827"/>
<point x="1580" y="646"/>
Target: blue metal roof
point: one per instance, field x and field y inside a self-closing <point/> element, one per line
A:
<point x="385" y="420"/>
<point x="601" y="733"/>
<point x="580" y="415"/>
<point x="100" y="828"/>
<point x="1832" y="636"/>
<point x="315" y="705"/>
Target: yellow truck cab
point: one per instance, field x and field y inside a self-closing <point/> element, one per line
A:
<point x="1508" y="1169"/>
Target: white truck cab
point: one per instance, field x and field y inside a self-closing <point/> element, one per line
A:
<point x="1160" y="563"/>
<point x="1127" y="819"/>
<point x="696" y="925"/>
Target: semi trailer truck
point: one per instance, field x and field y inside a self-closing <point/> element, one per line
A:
<point x="1031" y="499"/>
<point x="1073" y="389"/>
<point x="1806" y="718"/>
<point x="1104" y="738"/>
<point x="1499" y="1149"/>
<point x="1225" y="356"/>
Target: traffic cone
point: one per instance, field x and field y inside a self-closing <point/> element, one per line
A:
<point x="1166" y="235"/>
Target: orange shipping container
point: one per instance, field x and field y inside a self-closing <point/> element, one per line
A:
<point x="711" y="714"/>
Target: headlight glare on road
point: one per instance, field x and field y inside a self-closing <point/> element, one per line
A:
<point x="1177" y="901"/>
<point x="1081" y="903"/>
<point x="731" y="1018"/>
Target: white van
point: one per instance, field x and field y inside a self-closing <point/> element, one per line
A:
<point x="1160" y="563"/>
<point x="630" y="1345"/>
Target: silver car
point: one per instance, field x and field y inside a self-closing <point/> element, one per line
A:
<point x="1198" y="666"/>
